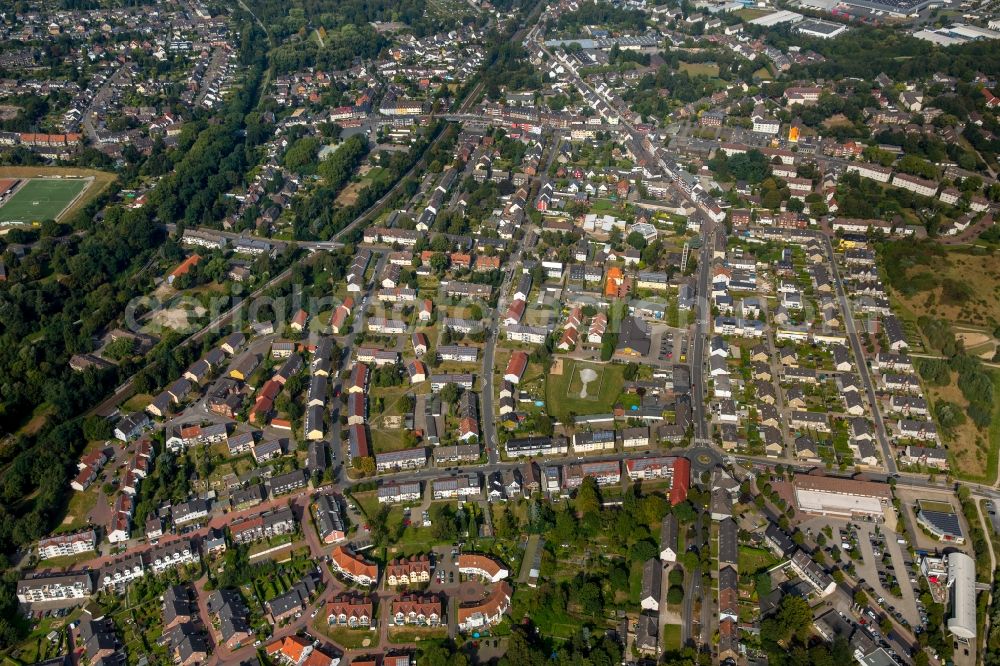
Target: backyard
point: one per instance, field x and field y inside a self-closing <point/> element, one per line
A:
<point x="752" y="560"/>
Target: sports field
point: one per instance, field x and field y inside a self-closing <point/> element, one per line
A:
<point x="564" y="393"/>
<point x="41" y="199"/>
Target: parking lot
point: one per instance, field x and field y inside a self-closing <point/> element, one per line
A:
<point x="881" y="571"/>
<point x="883" y="562"/>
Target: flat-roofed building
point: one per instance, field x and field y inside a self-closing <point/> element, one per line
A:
<point x="823" y="495"/>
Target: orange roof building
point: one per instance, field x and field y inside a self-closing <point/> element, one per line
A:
<point x="297" y="651"/>
<point x="613" y="282"/>
<point x="184" y="267"/>
<point x="482" y="566"/>
<point x="290" y="649"/>
<point x="354" y="567"/>
<point x="487" y="612"/>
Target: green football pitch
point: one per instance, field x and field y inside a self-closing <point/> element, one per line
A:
<point x="41" y="199"/>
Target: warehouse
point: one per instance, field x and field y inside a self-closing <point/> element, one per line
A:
<point x="962" y="593"/>
<point x="830" y="496"/>
<point x="821" y="29"/>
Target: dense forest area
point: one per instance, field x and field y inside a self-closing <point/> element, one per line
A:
<point x="603" y="14"/>
<point x="886" y="50"/>
<point x="656" y="96"/>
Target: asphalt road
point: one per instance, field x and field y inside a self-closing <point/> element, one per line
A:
<point x="852" y="333"/>
<point x="697" y="356"/>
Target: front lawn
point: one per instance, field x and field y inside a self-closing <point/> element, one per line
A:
<point x="348" y="639"/>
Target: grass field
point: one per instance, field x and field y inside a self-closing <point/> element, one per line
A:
<point x="562" y="392"/>
<point x="671" y="637"/>
<point x="41" y="199"/>
<point x="749" y="14"/>
<point x="961" y="285"/>
<point x="416" y="634"/>
<point x="348" y="639"/>
<point x="704" y="68"/>
<point x="752" y="560"/>
<point x="100" y="181"/>
<point x="80" y="506"/>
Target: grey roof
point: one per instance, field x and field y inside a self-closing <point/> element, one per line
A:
<point x="668" y="532"/>
<point x="652" y="579"/>
<point x="287" y="602"/>
<point x="254" y="493"/>
<point x="728" y="541"/>
<point x="284" y="482"/>
<point x="328" y="517"/>
<point x="177" y="603"/>
<point x="779" y="538"/>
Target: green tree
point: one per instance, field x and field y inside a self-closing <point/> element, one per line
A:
<point x="636" y="240"/>
<point x="588" y="497"/>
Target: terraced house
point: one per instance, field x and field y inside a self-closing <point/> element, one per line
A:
<point x="408" y="570"/>
<point x="350" y="610"/>
<point x="416" y="609"/>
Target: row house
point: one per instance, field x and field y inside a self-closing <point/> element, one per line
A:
<point x="912" y="429"/>
<point x="654" y="467"/>
<point x="353" y="566"/>
<point x="350" y="610"/>
<point x="414" y="458"/>
<point x="395" y="492"/>
<point x="534" y="446"/>
<point x="88" y="468"/>
<point x="412" y="609"/>
<point x="870" y="171"/>
<point x="456" y="487"/>
<point x="936" y="458"/>
<point x="329" y="522"/>
<point x="378" y="357"/>
<point x="55" y="587"/>
<point x="605" y="473"/>
<point x="171" y="555"/>
<point x="809" y="421"/>
<point x="386" y="326"/>
<point x="408" y="571"/>
<point x="462" y="380"/>
<point x="458" y="353"/>
<point x="596" y="440"/>
<point x="487" y="612"/>
<point x="263" y="526"/>
<point x="927" y="188"/>
<point x="63" y="545"/>
<point x="908" y="405"/>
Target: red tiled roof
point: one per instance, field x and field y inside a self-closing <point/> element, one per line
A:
<point x="353" y="564"/>
<point x="289" y="647"/>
